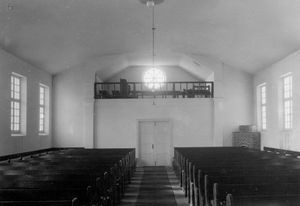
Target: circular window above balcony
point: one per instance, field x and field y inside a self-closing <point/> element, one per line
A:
<point x="154" y="78"/>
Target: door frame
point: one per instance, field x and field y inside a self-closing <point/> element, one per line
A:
<point x="138" y="139"/>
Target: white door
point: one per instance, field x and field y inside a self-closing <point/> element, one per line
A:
<point x="162" y="143"/>
<point x="155" y="143"/>
<point x="146" y="143"/>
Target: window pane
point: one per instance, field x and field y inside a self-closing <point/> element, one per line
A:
<point x="288" y="114"/>
<point x="263" y="107"/>
<point x="41" y="101"/>
<point x="15" y="111"/>
<point x="287" y="101"/>
<point x="264" y="117"/>
<point x="17" y="96"/>
<point x="17" y="105"/>
<point x="43" y="90"/>
<point x="287" y="87"/>
<point x="17" y="128"/>
<point x="17" y="81"/>
<point x="17" y="88"/>
<point x="12" y="88"/>
<point x="42" y="95"/>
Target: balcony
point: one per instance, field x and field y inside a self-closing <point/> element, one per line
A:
<point x="127" y="90"/>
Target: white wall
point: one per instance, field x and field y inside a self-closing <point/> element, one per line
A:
<point x="135" y="74"/>
<point x="117" y="120"/>
<point x="73" y="106"/>
<point x="233" y="102"/>
<point x="275" y="136"/>
<point x="237" y="102"/>
<point x="32" y="140"/>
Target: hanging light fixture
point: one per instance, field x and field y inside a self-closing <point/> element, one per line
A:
<point x="150" y="3"/>
<point x="154" y="77"/>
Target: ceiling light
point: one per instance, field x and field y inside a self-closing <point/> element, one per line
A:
<point x="150" y="3"/>
<point x="155" y="2"/>
<point x="154" y="77"/>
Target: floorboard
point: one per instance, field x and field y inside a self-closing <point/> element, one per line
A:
<point x="154" y="186"/>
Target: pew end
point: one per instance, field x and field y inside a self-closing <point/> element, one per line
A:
<point x="215" y="194"/>
<point x="75" y="201"/>
<point x="229" y="200"/>
<point x="200" y="195"/>
<point x="206" y="192"/>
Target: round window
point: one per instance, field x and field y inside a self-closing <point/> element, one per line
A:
<point x="154" y="78"/>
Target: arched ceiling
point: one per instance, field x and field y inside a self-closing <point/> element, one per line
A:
<point x="55" y="35"/>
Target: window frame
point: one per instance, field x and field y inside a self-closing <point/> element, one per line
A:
<point x="16" y="99"/>
<point x="287" y="101"/>
<point x="42" y="107"/>
<point x="22" y="105"/>
<point x="43" y="119"/>
<point x="262" y="106"/>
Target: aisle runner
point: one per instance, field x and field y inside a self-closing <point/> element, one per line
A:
<point x="155" y="188"/>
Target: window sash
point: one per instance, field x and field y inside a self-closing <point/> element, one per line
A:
<point x="15" y="113"/>
<point x="263" y="117"/>
<point x="263" y="106"/>
<point x="42" y="109"/>
<point x="42" y="119"/>
<point x="287" y="102"/>
<point x="288" y="114"/>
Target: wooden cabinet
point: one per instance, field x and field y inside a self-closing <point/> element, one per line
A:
<point x="246" y="139"/>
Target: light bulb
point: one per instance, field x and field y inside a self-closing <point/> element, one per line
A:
<point x="150" y="3"/>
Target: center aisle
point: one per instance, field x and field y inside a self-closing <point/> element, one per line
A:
<point x="154" y="186"/>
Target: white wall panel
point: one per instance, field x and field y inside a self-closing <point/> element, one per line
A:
<point x="32" y="140"/>
<point x="275" y="136"/>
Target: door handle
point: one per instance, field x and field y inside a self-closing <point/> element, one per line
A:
<point x="152" y="146"/>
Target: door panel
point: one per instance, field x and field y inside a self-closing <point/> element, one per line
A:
<point x="155" y="143"/>
<point x="162" y="142"/>
<point x="146" y="142"/>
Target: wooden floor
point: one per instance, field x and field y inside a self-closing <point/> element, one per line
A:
<point x="154" y="186"/>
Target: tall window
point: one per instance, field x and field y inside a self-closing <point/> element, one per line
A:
<point x="17" y="104"/>
<point x="263" y="106"/>
<point x="43" y="109"/>
<point x="287" y="82"/>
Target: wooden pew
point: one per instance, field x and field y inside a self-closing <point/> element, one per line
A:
<point x="235" y="171"/>
<point x="282" y="152"/>
<point x="73" y="202"/>
<point x="121" y="164"/>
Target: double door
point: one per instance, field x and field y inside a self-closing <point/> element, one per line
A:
<point x="155" y="143"/>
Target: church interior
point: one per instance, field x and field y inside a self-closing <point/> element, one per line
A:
<point x="149" y="102"/>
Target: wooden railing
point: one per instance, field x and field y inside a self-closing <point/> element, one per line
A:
<point x="124" y="89"/>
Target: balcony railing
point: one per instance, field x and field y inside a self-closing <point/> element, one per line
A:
<point x="124" y="89"/>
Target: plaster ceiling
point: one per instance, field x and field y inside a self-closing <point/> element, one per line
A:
<point x="55" y="35"/>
